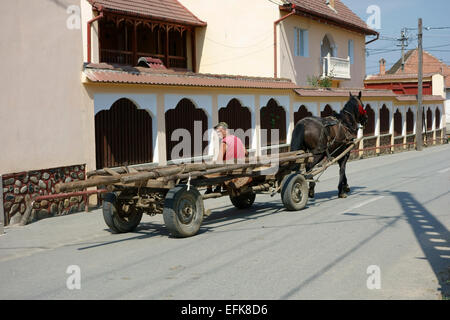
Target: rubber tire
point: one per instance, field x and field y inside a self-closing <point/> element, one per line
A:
<point x="288" y="184"/>
<point x="243" y="201"/>
<point x="112" y="218"/>
<point x="172" y="221"/>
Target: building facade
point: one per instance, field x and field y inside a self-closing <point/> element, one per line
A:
<point x="78" y="97"/>
<point x="402" y="78"/>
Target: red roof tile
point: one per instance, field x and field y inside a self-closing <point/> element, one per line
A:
<point x="424" y="98"/>
<point x="166" y="10"/>
<point x="431" y="64"/>
<point x="105" y="73"/>
<point x="334" y="92"/>
<point x="397" y="76"/>
<point x="341" y="14"/>
<point x="366" y="93"/>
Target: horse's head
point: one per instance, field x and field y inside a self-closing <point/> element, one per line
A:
<point x="356" y="108"/>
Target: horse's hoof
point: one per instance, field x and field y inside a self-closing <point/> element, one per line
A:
<point x="346" y="189"/>
<point x="343" y="195"/>
<point x="311" y="194"/>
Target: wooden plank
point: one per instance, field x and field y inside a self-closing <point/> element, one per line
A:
<point x="183" y="171"/>
<point x="111" y="172"/>
<point x="160" y="184"/>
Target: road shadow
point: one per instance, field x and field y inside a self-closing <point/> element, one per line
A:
<point x="320" y="197"/>
<point x="144" y="231"/>
<point x="432" y="236"/>
<point x="221" y="217"/>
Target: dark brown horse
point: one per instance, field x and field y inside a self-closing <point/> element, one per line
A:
<point x="329" y="137"/>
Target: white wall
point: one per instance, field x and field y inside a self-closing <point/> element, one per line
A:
<point x="42" y="113"/>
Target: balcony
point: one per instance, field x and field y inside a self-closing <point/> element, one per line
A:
<point x="124" y="39"/>
<point x="336" y="67"/>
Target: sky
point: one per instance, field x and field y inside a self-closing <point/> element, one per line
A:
<point x="396" y="14"/>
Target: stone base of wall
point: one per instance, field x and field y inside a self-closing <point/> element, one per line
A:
<point x="18" y="188"/>
<point x="385" y="141"/>
<point x="429" y="138"/>
<point x="438" y="137"/>
<point x="399" y="148"/>
<point x="355" y="155"/>
<point x="369" y="143"/>
<point x="411" y="145"/>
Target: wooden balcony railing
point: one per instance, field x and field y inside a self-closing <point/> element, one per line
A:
<point x="126" y="57"/>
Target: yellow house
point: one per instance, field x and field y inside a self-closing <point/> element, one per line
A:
<point x="295" y="40"/>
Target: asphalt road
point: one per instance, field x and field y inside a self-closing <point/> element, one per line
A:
<point x="388" y="240"/>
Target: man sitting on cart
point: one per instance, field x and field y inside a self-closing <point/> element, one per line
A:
<point x="230" y="148"/>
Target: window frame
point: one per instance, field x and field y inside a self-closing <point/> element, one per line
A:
<point x="301" y="42"/>
<point x="351" y="50"/>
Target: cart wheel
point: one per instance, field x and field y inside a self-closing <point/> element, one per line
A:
<point x="294" y="192"/>
<point x="243" y="201"/>
<point x="183" y="211"/>
<point x="120" y="217"/>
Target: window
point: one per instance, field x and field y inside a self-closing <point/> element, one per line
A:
<point x="384" y="120"/>
<point x="350" y="50"/>
<point x="300" y="42"/>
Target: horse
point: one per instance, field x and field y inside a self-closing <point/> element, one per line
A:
<point x="329" y="136"/>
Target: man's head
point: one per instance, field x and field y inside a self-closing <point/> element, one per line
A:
<point x="221" y="129"/>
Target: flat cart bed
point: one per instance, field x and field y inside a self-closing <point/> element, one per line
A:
<point x="173" y="190"/>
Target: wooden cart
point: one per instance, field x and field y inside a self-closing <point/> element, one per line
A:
<point x="173" y="190"/>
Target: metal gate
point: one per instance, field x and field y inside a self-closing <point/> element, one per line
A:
<point x="369" y="129"/>
<point x="237" y="117"/>
<point x="123" y="135"/>
<point x="301" y="113"/>
<point x="184" y="116"/>
<point x="273" y="117"/>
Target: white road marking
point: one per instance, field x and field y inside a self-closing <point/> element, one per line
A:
<point x="444" y="170"/>
<point x="363" y="204"/>
<point x="442" y="248"/>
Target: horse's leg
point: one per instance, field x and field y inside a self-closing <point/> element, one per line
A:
<point x="309" y="166"/>
<point x="343" y="187"/>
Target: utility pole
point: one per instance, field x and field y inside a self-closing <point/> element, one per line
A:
<point x="404" y="43"/>
<point x="419" y="115"/>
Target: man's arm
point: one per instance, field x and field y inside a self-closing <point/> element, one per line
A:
<point x="222" y="151"/>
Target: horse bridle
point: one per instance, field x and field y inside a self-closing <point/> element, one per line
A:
<point x="360" y="107"/>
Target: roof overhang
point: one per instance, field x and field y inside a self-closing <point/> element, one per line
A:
<point x="329" y="20"/>
<point x="101" y="5"/>
<point x="114" y="74"/>
<point x="402" y="78"/>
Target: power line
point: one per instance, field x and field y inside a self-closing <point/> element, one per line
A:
<point x="435" y="28"/>
<point x="434" y="50"/>
<point x="439" y="46"/>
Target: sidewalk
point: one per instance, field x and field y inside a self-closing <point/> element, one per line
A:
<point x="59" y="231"/>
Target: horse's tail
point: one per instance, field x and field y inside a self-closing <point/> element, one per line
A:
<point x="298" y="137"/>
